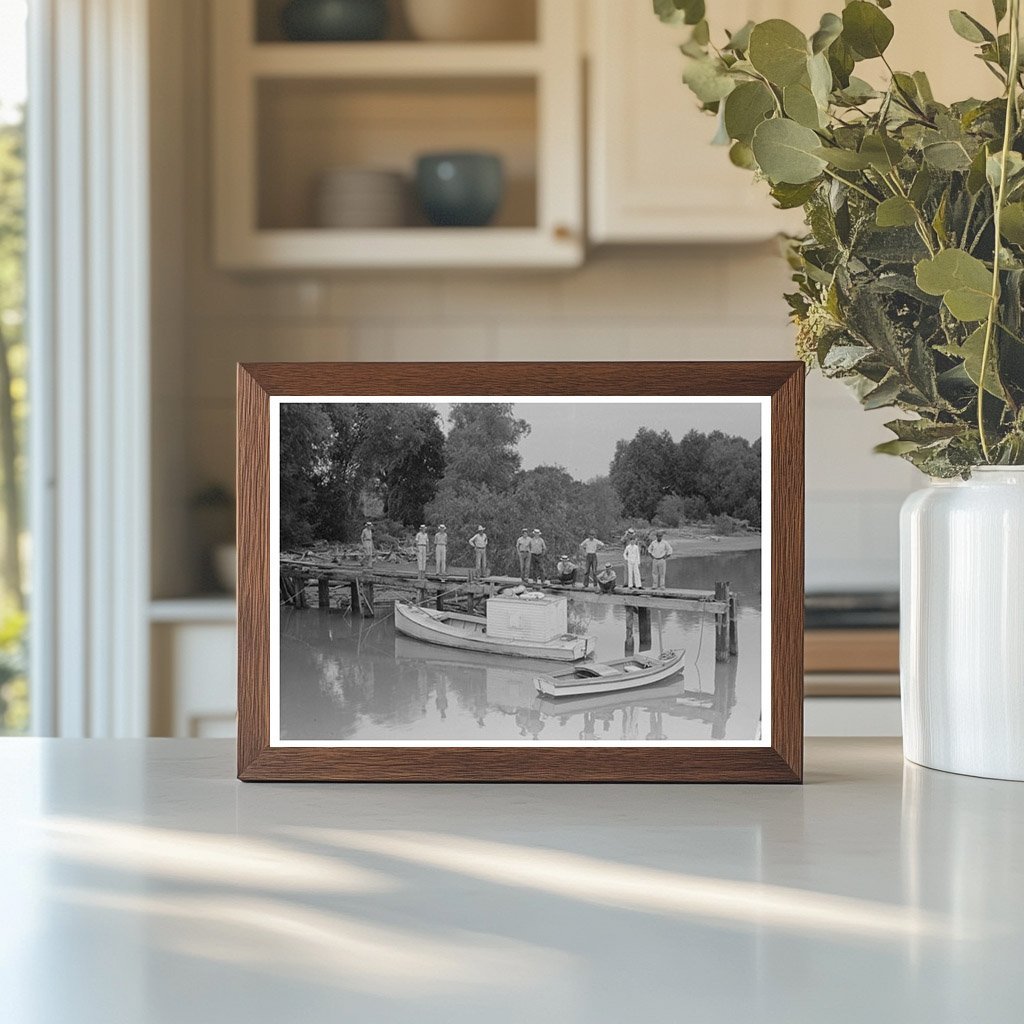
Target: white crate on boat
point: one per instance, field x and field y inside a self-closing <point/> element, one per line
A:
<point x="539" y="618"/>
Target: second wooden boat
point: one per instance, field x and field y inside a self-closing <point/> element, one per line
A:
<point x="469" y="633"/>
<point x="607" y="677"/>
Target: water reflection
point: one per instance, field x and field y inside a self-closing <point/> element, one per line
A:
<point x="349" y="678"/>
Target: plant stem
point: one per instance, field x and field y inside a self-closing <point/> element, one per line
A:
<point x="856" y="188"/>
<point x="993" y="309"/>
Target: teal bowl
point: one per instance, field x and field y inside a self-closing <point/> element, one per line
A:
<point x="460" y="190"/>
<point x="334" y="21"/>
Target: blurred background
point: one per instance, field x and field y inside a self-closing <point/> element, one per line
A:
<point x="251" y="180"/>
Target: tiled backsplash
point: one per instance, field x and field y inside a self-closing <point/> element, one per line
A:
<point x="704" y="303"/>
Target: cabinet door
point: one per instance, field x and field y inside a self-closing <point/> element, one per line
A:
<point x="654" y="176"/>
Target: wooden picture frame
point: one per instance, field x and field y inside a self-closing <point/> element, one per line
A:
<point x="778" y="759"/>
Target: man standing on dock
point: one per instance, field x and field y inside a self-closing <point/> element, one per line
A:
<point x="590" y="548"/>
<point x="537" y="551"/>
<point x="478" y="542"/>
<point x="367" y="541"/>
<point x="422" y="543"/>
<point x="660" y="550"/>
<point x="441" y="550"/>
<point x="523" y="552"/>
<point x="631" y="554"/>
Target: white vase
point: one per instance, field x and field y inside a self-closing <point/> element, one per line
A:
<point x="962" y="624"/>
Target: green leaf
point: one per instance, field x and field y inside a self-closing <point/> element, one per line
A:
<point x="999" y="7"/>
<point x="969" y="28"/>
<point x="844" y="159"/>
<point x="841" y="60"/>
<point x="976" y="173"/>
<point x="739" y="41"/>
<point x="785" y="152"/>
<point x="789" y="197"/>
<point x="946" y="156"/>
<point x="1014" y="169"/>
<point x="746" y="107"/>
<point x="829" y="30"/>
<point x="708" y="80"/>
<point x="778" y="50"/>
<point x="971" y="352"/>
<point x="800" y="105"/>
<point x="741" y="155"/>
<point x="895" y="447"/>
<point x="820" y="77"/>
<point x="884" y="395"/>
<point x="924" y="87"/>
<point x="676" y="12"/>
<point x="883" y="153"/>
<point x="923" y="431"/>
<point x="896" y="212"/>
<point x="701" y="33"/>
<point x="1012" y="226"/>
<point x="921" y="185"/>
<point x="963" y="281"/>
<point x="866" y="29"/>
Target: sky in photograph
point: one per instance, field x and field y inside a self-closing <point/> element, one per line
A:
<point x="581" y="437"/>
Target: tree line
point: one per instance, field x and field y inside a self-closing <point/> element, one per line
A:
<point x="336" y="460"/>
<point x="702" y="475"/>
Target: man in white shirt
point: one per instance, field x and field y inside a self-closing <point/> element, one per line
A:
<point x="366" y="537"/>
<point x="478" y="542"/>
<point x="441" y="549"/>
<point x="660" y="550"/>
<point x="422" y="543"/>
<point x="523" y="552"/>
<point x="538" y="549"/>
<point x="631" y="554"/>
<point x="590" y="548"/>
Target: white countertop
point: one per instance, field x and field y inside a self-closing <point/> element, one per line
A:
<point x="143" y="885"/>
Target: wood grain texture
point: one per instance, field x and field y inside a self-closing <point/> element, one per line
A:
<point x="852" y="650"/>
<point x="782" y="762"/>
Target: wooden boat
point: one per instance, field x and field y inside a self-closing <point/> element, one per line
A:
<point x="624" y="674"/>
<point x="469" y="633"/>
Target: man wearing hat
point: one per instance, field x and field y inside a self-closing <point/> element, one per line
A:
<point x="367" y="540"/>
<point x="478" y="542"/>
<point x="422" y="543"/>
<point x="606" y="580"/>
<point x="523" y="553"/>
<point x="590" y="547"/>
<point x="537" y="551"/>
<point x="567" y="571"/>
<point x="441" y="549"/>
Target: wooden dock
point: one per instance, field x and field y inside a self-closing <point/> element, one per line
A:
<point x="464" y="588"/>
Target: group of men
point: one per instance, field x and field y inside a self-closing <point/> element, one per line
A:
<point x="531" y="549"/>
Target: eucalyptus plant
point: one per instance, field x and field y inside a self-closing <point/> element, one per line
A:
<point x="909" y="280"/>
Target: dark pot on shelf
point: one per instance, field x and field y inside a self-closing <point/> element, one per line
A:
<point x="461" y="190"/>
<point x="331" y="21"/>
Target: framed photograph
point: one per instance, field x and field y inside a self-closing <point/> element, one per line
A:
<point x="558" y="572"/>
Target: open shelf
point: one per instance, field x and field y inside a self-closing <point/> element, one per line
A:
<point x="520" y="17"/>
<point x="288" y="113"/>
<point x="308" y="127"/>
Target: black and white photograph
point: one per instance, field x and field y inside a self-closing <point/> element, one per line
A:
<point x="560" y="571"/>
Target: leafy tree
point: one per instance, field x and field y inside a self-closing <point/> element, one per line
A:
<point x="12" y="349"/>
<point x="305" y="435"/>
<point x="644" y="470"/>
<point x="481" y="446"/>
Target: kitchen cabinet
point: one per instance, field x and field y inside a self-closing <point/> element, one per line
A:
<point x="286" y="113"/>
<point x="653" y="175"/>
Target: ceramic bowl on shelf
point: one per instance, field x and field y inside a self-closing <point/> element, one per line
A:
<point x="361" y="198"/>
<point x="460" y="189"/>
<point x="332" y="21"/>
<point x="471" y="20"/>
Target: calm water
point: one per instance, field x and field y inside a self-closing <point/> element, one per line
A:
<point x="348" y="678"/>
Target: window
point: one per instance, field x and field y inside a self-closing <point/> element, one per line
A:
<point x="14" y="696"/>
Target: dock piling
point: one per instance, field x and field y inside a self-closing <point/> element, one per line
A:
<point x="722" y="623"/>
<point x="323" y="592"/>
